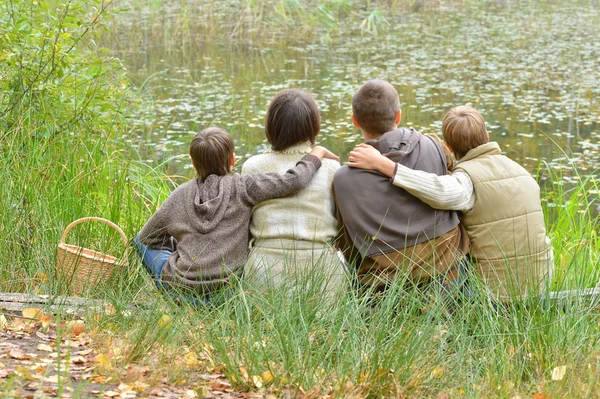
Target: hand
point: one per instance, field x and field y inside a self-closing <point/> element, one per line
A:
<point x="364" y="156"/>
<point x="367" y="157"/>
<point x="322" y="152"/>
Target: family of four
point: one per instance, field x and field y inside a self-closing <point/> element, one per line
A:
<point x="406" y="205"/>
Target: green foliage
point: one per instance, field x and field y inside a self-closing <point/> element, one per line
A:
<point x="62" y="102"/>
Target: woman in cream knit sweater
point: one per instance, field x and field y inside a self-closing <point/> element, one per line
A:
<point x="292" y="235"/>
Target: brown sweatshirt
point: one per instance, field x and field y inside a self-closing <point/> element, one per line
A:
<point x="209" y="222"/>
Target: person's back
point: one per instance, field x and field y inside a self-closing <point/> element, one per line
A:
<point x="292" y="236"/>
<point x="380" y="216"/>
<point x="308" y="215"/>
<point x="387" y="232"/>
<point x="506" y="224"/>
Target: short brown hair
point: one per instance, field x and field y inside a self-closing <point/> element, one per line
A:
<point x="375" y="106"/>
<point x="463" y="129"/>
<point x="292" y="117"/>
<point x="211" y="152"/>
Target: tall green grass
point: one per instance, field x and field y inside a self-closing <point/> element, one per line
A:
<point x="62" y="157"/>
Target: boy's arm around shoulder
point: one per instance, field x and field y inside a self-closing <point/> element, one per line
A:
<point x="264" y="186"/>
<point x="448" y="192"/>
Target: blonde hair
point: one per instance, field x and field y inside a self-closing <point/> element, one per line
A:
<point x="211" y="151"/>
<point x="463" y="129"/>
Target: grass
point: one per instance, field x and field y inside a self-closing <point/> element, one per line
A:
<point x="407" y="345"/>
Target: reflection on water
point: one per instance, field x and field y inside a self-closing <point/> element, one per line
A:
<point x="532" y="69"/>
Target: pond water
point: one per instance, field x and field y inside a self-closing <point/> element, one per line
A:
<point x="531" y="68"/>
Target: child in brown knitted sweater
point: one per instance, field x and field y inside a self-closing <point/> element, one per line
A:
<point x="198" y="238"/>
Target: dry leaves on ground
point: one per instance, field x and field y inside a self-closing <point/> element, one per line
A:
<point x="35" y="361"/>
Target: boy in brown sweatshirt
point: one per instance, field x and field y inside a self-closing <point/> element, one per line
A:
<point x="198" y="238"/>
<point x="386" y="231"/>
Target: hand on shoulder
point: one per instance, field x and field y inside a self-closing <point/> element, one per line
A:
<point x="322" y="152"/>
<point x="365" y="156"/>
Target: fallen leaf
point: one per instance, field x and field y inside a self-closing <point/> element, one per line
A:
<point x="110" y="310"/>
<point x="191" y="359"/>
<point x="103" y="361"/>
<point x="78" y="327"/>
<point x="45" y="320"/>
<point x="18" y="354"/>
<point x="257" y="381"/>
<point x="23" y="372"/>
<point x="139" y="386"/>
<point x="78" y="360"/>
<point x="165" y="321"/>
<point x="52" y="379"/>
<point x="267" y="377"/>
<point x="3" y="322"/>
<point x="32" y="313"/>
<point x="220" y="385"/>
<point x="437" y="372"/>
<point x="558" y="373"/>
<point x="111" y="394"/>
<point x="45" y="348"/>
<point x="540" y="396"/>
<point x="244" y="373"/>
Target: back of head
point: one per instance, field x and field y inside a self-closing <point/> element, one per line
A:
<point x="211" y="151"/>
<point x="375" y="106"/>
<point x="292" y="118"/>
<point x="463" y="129"/>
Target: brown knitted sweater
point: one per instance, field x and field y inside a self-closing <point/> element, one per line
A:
<point x="209" y="222"/>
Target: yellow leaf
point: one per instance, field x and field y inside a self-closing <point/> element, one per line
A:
<point x="244" y="373"/>
<point x="103" y="361"/>
<point x="437" y="372"/>
<point x="267" y="377"/>
<point x="191" y="359"/>
<point x="3" y="322"/>
<point x="165" y="321"/>
<point x="32" y="313"/>
<point x="124" y="387"/>
<point x="256" y="381"/>
<point x="23" y="372"/>
<point x="559" y="373"/>
<point x="41" y="276"/>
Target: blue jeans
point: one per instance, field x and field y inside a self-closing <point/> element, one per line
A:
<point x="154" y="261"/>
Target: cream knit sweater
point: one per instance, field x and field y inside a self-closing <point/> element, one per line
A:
<point x="293" y="234"/>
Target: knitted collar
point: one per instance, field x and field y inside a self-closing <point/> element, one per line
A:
<point x="300" y="148"/>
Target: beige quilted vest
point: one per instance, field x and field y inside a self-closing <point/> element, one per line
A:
<point x="506" y="225"/>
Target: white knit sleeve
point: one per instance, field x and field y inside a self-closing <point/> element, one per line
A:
<point x="451" y="192"/>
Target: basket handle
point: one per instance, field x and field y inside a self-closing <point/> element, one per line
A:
<point x="95" y="219"/>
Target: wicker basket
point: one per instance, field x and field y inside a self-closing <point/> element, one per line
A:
<point x="82" y="268"/>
